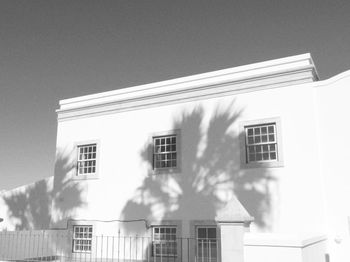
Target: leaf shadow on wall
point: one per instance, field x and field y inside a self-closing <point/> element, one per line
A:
<point x="47" y="204"/>
<point x="210" y="173"/>
<point x="31" y="208"/>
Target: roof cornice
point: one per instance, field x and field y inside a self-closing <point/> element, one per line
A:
<point x="265" y="75"/>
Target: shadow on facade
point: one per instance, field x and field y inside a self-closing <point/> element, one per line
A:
<point x="210" y="175"/>
<point x="32" y="208"/>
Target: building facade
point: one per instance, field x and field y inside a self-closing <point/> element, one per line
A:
<point x="260" y="148"/>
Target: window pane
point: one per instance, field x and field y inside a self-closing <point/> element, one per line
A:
<point x="258" y="156"/>
<point x="163" y="146"/>
<point x="202" y="232"/>
<point x="250" y="140"/>
<point x="266" y="156"/>
<point x="258" y="148"/>
<point x="257" y="139"/>
<point x="211" y="232"/>
<point x="250" y="131"/>
<point x="273" y="155"/>
<point x="252" y="157"/>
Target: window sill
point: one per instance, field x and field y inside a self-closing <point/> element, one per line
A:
<point x="166" y="171"/>
<point x="85" y="177"/>
<point x="271" y="164"/>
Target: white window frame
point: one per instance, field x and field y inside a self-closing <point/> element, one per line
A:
<point x="89" y="237"/>
<point x="278" y="162"/>
<point x="207" y="241"/>
<point x="158" y="241"/>
<point x="152" y="154"/>
<point x="93" y="175"/>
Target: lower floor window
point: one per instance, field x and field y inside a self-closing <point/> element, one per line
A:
<point x="164" y="241"/>
<point x="207" y="244"/>
<point x="82" y="238"/>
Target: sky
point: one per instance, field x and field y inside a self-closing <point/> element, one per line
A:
<point x="52" y="50"/>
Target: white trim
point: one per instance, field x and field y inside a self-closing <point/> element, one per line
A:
<point x="242" y="137"/>
<point x="76" y="176"/>
<point x="279" y="240"/>
<point x="270" y="74"/>
<point x="170" y="170"/>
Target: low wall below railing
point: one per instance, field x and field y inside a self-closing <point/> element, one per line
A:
<point x="286" y="248"/>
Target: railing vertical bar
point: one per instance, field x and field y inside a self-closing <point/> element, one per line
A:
<point x="188" y="250"/>
<point x="38" y="246"/>
<point x="101" y="247"/>
<point x="203" y="250"/>
<point x="130" y="249"/>
<point x="42" y="245"/>
<point x="48" y="242"/>
<point x="55" y="235"/>
<point x="209" y="251"/>
<point x="32" y="246"/>
<point x="4" y="250"/>
<point x="91" y="251"/>
<point x="149" y="246"/>
<point x="59" y="240"/>
<point x="35" y="247"/>
<point x="5" y="244"/>
<point x="17" y="243"/>
<point x="113" y="249"/>
<point x="86" y="251"/>
<point x="11" y="245"/>
<point x="96" y="249"/>
<point x="136" y="247"/>
<point x="118" y="244"/>
<point x="107" y="250"/>
<point x="1" y="244"/>
<point x="124" y="249"/>
<point x="217" y="249"/>
<point x="142" y="253"/>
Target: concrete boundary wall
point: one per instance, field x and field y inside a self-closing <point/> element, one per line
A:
<point x="293" y="248"/>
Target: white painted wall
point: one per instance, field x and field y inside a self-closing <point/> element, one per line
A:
<point x="275" y="247"/>
<point x="309" y="194"/>
<point x="124" y="135"/>
<point x="27" y="207"/>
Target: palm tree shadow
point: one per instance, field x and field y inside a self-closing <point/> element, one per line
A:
<point x="32" y="207"/>
<point x="211" y="175"/>
<point x="47" y="204"/>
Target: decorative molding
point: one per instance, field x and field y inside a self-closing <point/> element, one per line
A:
<point x="265" y="75"/>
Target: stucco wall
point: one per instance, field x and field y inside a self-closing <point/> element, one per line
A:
<point x="334" y="108"/>
<point x="27" y="207"/>
<point x="278" y="198"/>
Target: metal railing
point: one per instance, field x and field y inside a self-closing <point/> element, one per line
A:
<point x="60" y="246"/>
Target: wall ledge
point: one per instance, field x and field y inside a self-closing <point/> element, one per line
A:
<point x="259" y="76"/>
<point x="282" y="240"/>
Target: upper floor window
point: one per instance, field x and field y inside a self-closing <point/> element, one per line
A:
<point x="166" y="151"/>
<point x="87" y="159"/>
<point x="261" y="144"/>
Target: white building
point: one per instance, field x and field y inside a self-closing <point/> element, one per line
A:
<point x="259" y="148"/>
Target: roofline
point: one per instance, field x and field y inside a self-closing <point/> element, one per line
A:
<point x="278" y="72"/>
